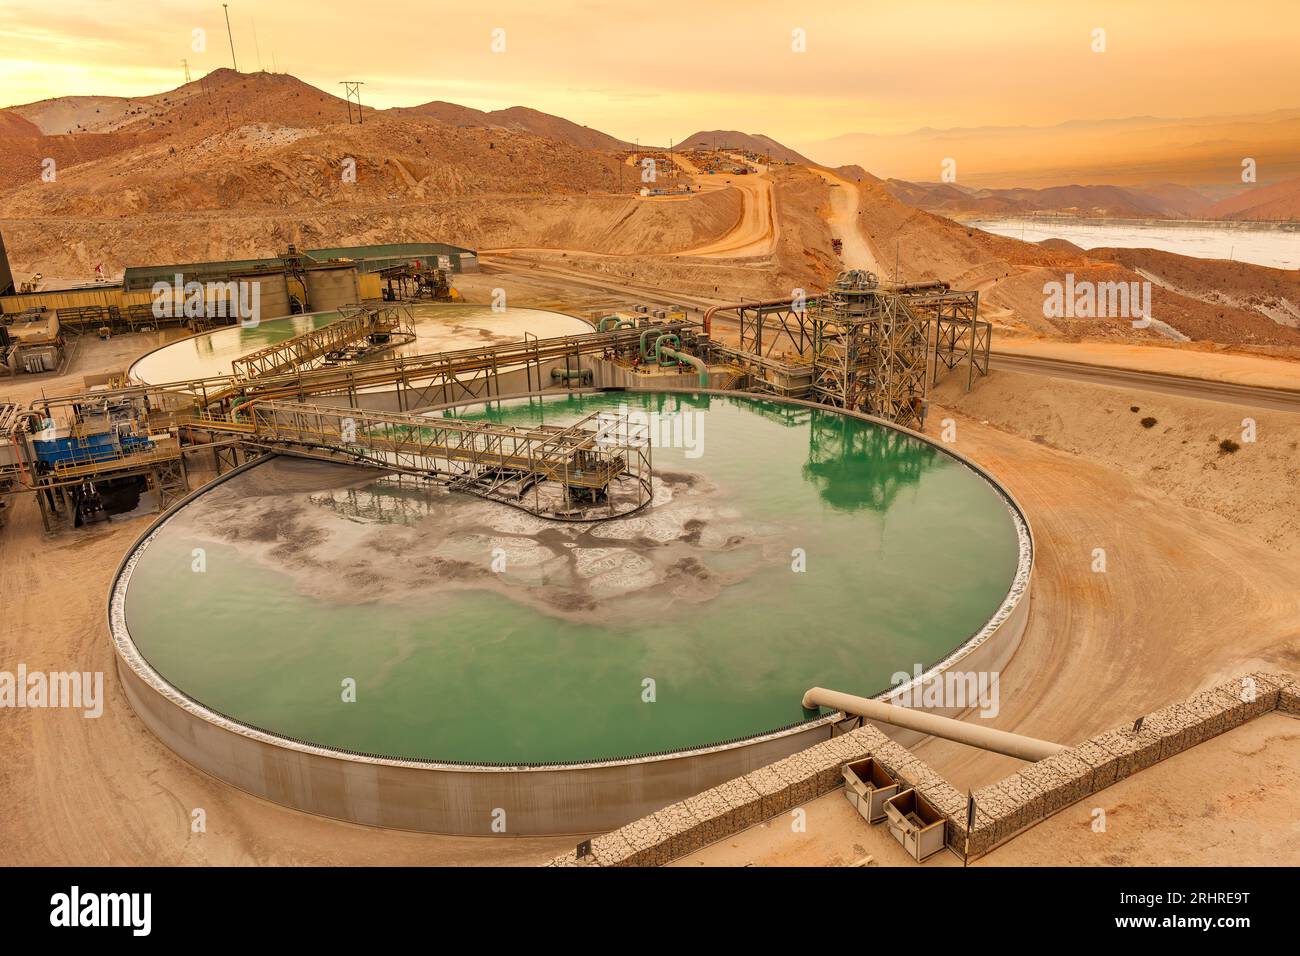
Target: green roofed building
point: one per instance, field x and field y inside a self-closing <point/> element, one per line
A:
<point x="429" y="255"/>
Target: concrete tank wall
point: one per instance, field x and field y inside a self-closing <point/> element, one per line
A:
<point x="437" y="798"/>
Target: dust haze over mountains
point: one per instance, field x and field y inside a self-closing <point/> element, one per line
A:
<point x="1204" y="152"/>
<point x="239" y="165"/>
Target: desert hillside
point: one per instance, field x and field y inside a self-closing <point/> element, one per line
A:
<point x="238" y="165"/>
<point x="1278" y="201"/>
<point x="750" y="142"/>
<point x="1011" y="275"/>
<point x="516" y="118"/>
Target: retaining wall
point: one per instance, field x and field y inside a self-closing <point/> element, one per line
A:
<point x="1041" y="789"/>
<point x="1001" y="810"/>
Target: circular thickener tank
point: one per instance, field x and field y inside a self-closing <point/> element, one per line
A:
<point x="438" y="327"/>
<point x="585" y="673"/>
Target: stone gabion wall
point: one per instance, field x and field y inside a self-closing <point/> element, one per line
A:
<point x="1001" y="809"/>
<point x="1040" y="789"/>
<point x="736" y="805"/>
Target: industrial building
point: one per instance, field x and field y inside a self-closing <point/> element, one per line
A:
<point x="312" y="280"/>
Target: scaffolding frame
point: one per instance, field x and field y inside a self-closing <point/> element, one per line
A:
<point x="870" y="351"/>
<point x="861" y="345"/>
<point x="791" y="331"/>
<point x="960" y="335"/>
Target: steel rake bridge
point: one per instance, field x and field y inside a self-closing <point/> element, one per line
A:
<point x="359" y="332"/>
<point x="434" y="378"/>
<point x="594" y="469"/>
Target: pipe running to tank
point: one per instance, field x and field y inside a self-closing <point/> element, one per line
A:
<point x="985" y="738"/>
<point x="691" y="360"/>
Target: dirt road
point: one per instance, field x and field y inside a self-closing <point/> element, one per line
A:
<point x="845" y="214"/>
<point x="1210" y="365"/>
<point x="758" y="229"/>
<point x="1249" y="396"/>
<point x="755" y="232"/>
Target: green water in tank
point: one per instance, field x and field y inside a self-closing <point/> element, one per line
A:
<point x="438" y="327"/>
<point x="906" y="553"/>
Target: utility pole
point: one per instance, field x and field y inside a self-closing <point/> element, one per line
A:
<point x="233" y="61"/>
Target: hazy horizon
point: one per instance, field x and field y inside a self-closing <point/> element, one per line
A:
<point x="664" y="72"/>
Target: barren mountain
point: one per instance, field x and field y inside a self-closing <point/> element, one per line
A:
<point x="517" y="118"/>
<point x="1271" y="293"/>
<point x="755" y="142"/>
<point x="239" y="165"/>
<point x="85" y="114"/>
<point x="1279" y="201"/>
<point x="14" y="127"/>
<point x="1167" y="201"/>
<point x="1011" y="275"/>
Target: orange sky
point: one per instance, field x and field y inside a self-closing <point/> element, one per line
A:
<point x="663" y="69"/>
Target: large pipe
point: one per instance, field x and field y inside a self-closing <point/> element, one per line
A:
<point x="665" y="341"/>
<point x="986" y="738"/>
<point x="645" y="349"/>
<point x="619" y="323"/>
<point x="934" y="285"/>
<point x="583" y="375"/>
<point x="691" y="360"/>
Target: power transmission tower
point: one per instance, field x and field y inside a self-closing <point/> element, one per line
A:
<point x="351" y="89"/>
<point x="186" y="64"/>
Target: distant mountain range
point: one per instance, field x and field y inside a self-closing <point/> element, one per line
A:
<point x="1280" y="201"/>
<point x="1205" y="153"/>
<point x="1167" y="202"/>
<point x="1138" y="167"/>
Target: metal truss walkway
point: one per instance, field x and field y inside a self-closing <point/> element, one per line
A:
<point x="596" y="468"/>
<point x="359" y="332"/>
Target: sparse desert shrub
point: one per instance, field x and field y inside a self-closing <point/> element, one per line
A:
<point x="1134" y="408"/>
<point x="1148" y="422"/>
<point x="1228" y="446"/>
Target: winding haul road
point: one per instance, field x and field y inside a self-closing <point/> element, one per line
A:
<point x="756" y="232"/>
<point x="846" y="208"/>
<point x="1236" y="393"/>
